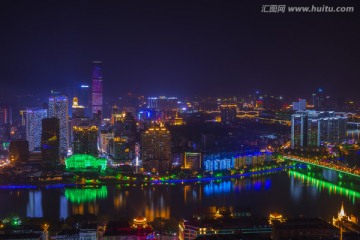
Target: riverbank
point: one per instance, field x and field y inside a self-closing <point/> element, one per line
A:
<point x="141" y="179"/>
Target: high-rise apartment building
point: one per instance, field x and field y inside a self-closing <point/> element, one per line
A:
<point x="85" y="140"/>
<point x="58" y="107"/>
<point x="34" y="119"/>
<point x="156" y="149"/>
<point x="312" y="128"/>
<point x="97" y="88"/>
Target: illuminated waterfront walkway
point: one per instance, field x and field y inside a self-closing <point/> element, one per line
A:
<point x="323" y="164"/>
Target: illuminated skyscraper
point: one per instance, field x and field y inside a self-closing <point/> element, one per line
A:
<point x="156" y="149"/>
<point x="85" y="140"/>
<point x="58" y="107"/>
<point x="34" y="127"/>
<point x="97" y="88"/>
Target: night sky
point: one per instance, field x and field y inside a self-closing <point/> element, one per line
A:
<point x="182" y="48"/>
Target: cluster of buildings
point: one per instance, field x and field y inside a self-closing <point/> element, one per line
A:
<point x="314" y="128"/>
<point x="227" y="223"/>
<point x="137" y="130"/>
<point x="50" y="134"/>
<point x="72" y="129"/>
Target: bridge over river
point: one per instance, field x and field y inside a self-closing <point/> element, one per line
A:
<point x="325" y="165"/>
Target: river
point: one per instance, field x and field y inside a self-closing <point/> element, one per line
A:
<point x="289" y="193"/>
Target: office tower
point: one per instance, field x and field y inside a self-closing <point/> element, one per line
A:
<point x="228" y="113"/>
<point x="50" y="140"/>
<point x="119" y="148"/>
<point x="312" y="128"/>
<point x="97" y="88"/>
<point x="78" y="111"/>
<point x="19" y="151"/>
<point x="156" y="149"/>
<point x="58" y="107"/>
<point x="33" y="127"/>
<point x="85" y="140"/>
<point x="300" y="105"/>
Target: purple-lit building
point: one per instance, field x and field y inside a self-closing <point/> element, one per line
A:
<point x="96" y="88"/>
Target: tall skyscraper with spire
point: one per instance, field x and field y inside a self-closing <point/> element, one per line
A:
<point x="96" y="88"/>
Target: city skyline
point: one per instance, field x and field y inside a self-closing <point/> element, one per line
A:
<point x="179" y="48"/>
<point x="179" y="120"/>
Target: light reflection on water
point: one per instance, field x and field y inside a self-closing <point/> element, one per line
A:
<point x="318" y="185"/>
<point x="290" y="193"/>
<point x="353" y="134"/>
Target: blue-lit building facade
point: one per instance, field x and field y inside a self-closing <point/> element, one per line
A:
<point x="232" y="160"/>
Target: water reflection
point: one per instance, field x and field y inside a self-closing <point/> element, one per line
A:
<point x="295" y="189"/>
<point x="34" y="206"/>
<point x="354" y="134"/>
<point x="81" y="195"/>
<point x="215" y="188"/>
<point x="156" y="204"/>
<point x="289" y="192"/>
<point x="64" y="208"/>
<point x="320" y="186"/>
<point x="119" y="200"/>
